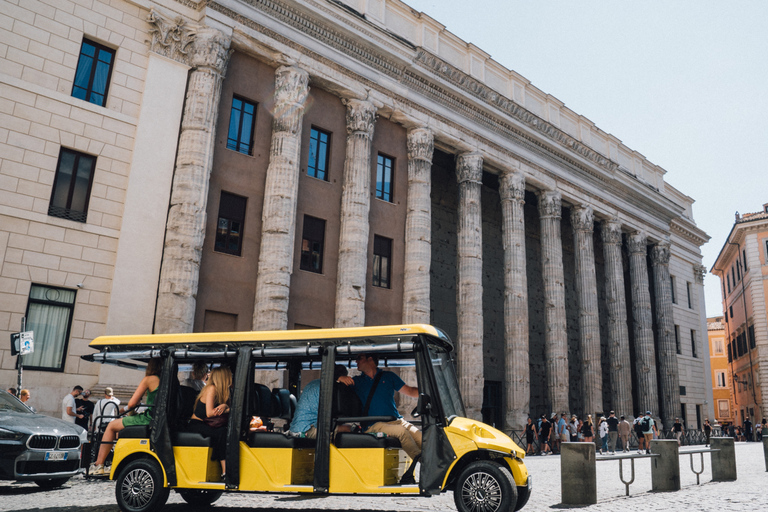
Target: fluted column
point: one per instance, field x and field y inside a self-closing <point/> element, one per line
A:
<point x="665" y="329"/>
<point x="355" y="206"/>
<point x="185" y="227"/>
<point x="583" y="221"/>
<point x="278" y="218"/>
<point x="618" y="332"/>
<point x="645" y="354"/>
<point x="556" y="337"/>
<point x="516" y="349"/>
<point x="418" y="227"/>
<point x="469" y="280"/>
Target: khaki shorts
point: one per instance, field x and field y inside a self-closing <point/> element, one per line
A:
<point x="564" y="438"/>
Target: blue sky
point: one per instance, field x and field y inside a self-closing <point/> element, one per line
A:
<point x="683" y="82"/>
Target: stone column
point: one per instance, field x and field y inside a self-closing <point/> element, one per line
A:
<point x="516" y="348"/>
<point x="185" y="227"/>
<point x="583" y="220"/>
<point x="418" y="227"/>
<point x="668" y="374"/>
<point x="469" y="281"/>
<point x="278" y="218"/>
<point x="556" y="336"/>
<point x="618" y="332"/>
<point x="645" y="355"/>
<point x="355" y="205"/>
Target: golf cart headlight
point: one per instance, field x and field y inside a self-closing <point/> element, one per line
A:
<point x="9" y="435"/>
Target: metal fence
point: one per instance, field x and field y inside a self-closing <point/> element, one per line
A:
<point x="690" y="437"/>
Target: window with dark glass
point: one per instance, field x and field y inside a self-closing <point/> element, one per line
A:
<point x="693" y="343"/>
<point x="317" y="164"/>
<point x="690" y="296"/>
<point x="242" y="118"/>
<point x="677" y="339"/>
<point x="751" y="332"/>
<point x="382" y="261"/>
<point x="49" y="316"/>
<point x="229" y="228"/>
<point x="94" y="68"/>
<point x="72" y="185"/>
<point x="384" y="166"/>
<point x="744" y="256"/>
<point x="672" y="289"/>
<point x="312" y="241"/>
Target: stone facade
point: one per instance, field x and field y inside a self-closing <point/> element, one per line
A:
<point x="509" y="221"/>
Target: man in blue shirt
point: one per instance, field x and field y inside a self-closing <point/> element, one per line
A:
<point x="383" y="402"/>
<point x="305" y="418"/>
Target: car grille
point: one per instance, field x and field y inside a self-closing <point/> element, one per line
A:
<point x="42" y="442"/>
<point x="37" y="467"/>
<point x="69" y="442"/>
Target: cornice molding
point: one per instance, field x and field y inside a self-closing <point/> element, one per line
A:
<point x="689" y="235"/>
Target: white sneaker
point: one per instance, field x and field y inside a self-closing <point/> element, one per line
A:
<point x="100" y="470"/>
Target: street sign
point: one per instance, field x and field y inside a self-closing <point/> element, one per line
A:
<point x="22" y="343"/>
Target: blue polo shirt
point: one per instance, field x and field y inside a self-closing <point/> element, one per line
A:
<point x="305" y="416"/>
<point x="383" y="402"/>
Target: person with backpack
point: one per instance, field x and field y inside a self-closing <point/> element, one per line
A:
<point x="637" y="425"/>
<point x="648" y="426"/>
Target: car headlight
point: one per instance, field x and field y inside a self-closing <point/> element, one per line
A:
<point x="9" y="435"/>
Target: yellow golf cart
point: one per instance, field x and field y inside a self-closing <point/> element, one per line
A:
<point x="481" y="465"/>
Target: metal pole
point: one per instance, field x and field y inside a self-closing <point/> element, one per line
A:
<point x="18" y="380"/>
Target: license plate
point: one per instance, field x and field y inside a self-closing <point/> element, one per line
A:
<point x="56" y="455"/>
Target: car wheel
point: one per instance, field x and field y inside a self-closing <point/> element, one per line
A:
<point x="484" y="486"/>
<point x="139" y="486"/>
<point x="53" y="482"/>
<point x="199" y="497"/>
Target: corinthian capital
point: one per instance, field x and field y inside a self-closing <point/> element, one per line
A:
<point x="469" y="168"/>
<point x="699" y="271"/>
<point x="660" y="253"/>
<point x="361" y="116"/>
<point x="611" y="231"/>
<point x="170" y="38"/>
<point x="550" y="204"/>
<point x="512" y="186"/>
<point x="210" y="50"/>
<point x="421" y="144"/>
<point x="583" y="218"/>
<point x="291" y="85"/>
<point x="637" y="243"/>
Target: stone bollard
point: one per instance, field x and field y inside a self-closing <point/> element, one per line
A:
<point x="724" y="461"/>
<point x="578" y="476"/>
<point x="765" y="446"/>
<point x="665" y="470"/>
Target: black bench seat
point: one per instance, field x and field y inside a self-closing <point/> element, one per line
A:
<point x="278" y="440"/>
<point x="350" y="440"/>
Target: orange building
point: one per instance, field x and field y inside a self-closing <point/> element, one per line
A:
<point x="722" y="394"/>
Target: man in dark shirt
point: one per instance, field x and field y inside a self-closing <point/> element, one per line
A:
<point x="677" y="428"/>
<point x="748" y="429"/>
<point x="613" y="431"/>
<point x="84" y="407"/>
<point x="544" y="430"/>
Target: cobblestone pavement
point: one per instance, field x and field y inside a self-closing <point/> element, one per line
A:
<point x="747" y="493"/>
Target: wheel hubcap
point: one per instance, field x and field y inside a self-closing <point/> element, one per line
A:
<point x="481" y="492"/>
<point x="137" y="488"/>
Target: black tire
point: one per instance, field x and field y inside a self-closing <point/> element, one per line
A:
<point x="199" y="497"/>
<point x="51" y="483"/>
<point x="485" y="486"/>
<point x="139" y="486"/>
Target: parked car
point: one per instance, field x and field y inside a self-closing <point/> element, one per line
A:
<point x="35" y="447"/>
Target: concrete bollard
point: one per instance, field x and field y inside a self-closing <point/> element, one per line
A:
<point x="578" y="476"/>
<point x="765" y="446"/>
<point x="724" y="461"/>
<point x="665" y="470"/>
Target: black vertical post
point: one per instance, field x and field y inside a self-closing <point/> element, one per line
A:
<point x="324" y="417"/>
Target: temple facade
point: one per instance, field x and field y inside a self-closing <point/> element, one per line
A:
<point x="276" y="164"/>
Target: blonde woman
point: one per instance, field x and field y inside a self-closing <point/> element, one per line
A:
<point x="586" y="429"/>
<point x="211" y="413"/>
<point x="149" y="385"/>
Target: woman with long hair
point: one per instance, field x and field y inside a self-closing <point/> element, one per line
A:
<point x="211" y="413"/>
<point x="586" y="429"/>
<point x="149" y="385"/>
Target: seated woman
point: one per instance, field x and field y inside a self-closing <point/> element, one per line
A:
<point x="149" y="385"/>
<point x="212" y="413"/>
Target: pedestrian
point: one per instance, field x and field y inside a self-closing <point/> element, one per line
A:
<point x="573" y="428"/>
<point x="106" y="409"/>
<point x="544" y="431"/>
<point x="678" y="429"/>
<point x="649" y="428"/>
<point x="586" y="429"/>
<point x="707" y="431"/>
<point x="24" y="397"/>
<point x="613" y="431"/>
<point x="639" y="433"/>
<point x="68" y="407"/>
<point x="85" y="408"/>
<point x="530" y="434"/>
<point x="624" y="429"/>
<point x="562" y="431"/>
<point x="602" y="428"/>
<point x="747" y="429"/>
<point x="12" y="391"/>
<point x="197" y="377"/>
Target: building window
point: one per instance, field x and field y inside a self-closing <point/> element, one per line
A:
<point x="690" y="296"/>
<point x="317" y="164"/>
<point x="723" y="409"/>
<point x="672" y="289"/>
<point x="682" y="390"/>
<point x="717" y="346"/>
<point x="312" y="242"/>
<point x="730" y="309"/>
<point x="242" y="119"/>
<point x="730" y="353"/>
<point x="728" y="277"/>
<point x="49" y="316"/>
<point x="738" y="270"/>
<point x="677" y="340"/>
<point x="94" y="68"/>
<point x="492" y="403"/>
<point x="766" y="250"/>
<point x="693" y="344"/>
<point x="744" y="259"/>
<point x="384" y="168"/>
<point x="720" y="379"/>
<point x="229" y="229"/>
<point x="72" y="185"/>
<point x="382" y="261"/>
<point x="698" y="416"/>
